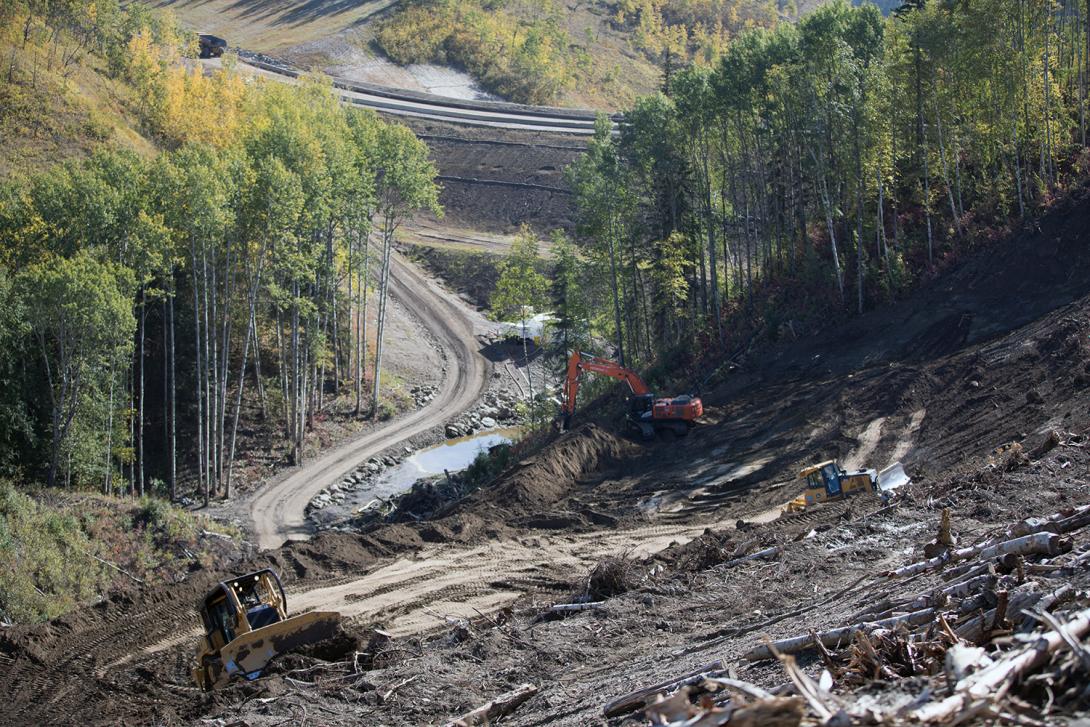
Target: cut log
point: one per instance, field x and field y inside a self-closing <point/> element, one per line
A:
<point x="1004" y="672"/>
<point x="750" y="690"/>
<point x="956" y="590"/>
<point x="628" y="702"/>
<point x="566" y="607"/>
<point x="836" y="638"/>
<point x="1075" y="522"/>
<point x="766" y="553"/>
<point x="977" y="629"/>
<point x="502" y="705"/>
<point x="1042" y="543"/>
<point x="1054" y="523"/>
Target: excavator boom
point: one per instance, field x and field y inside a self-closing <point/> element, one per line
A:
<point x="648" y="413"/>
<point x="580" y="362"/>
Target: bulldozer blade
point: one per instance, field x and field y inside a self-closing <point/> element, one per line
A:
<point x="892" y="477"/>
<point x="248" y="654"/>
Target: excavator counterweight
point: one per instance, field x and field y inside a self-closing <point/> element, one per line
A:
<point x="647" y="414"/>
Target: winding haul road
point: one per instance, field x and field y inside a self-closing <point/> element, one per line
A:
<point x="398" y="102"/>
<point x="278" y="510"/>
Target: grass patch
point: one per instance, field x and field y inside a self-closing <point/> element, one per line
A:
<point x="526" y="59"/>
<point x="50" y="542"/>
<point x="50" y="112"/>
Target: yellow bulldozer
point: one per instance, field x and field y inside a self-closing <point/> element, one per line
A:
<point x="826" y="481"/>
<point x="246" y="625"/>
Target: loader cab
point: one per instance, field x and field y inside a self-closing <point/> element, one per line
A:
<point x="211" y="46"/>
<point x="822" y="482"/>
<point x="830" y="475"/>
<point x="241" y="605"/>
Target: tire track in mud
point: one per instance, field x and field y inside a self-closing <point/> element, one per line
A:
<point x="409" y="595"/>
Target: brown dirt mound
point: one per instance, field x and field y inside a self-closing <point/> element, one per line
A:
<point x="553" y="473"/>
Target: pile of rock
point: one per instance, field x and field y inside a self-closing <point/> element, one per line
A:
<point x="422" y="394"/>
<point x="497" y="408"/>
<point x="360" y="478"/>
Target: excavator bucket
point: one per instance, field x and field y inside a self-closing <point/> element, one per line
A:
<point x="892" y="477"/>
<point x="248" y="654"/>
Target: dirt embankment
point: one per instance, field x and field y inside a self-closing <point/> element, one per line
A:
<point x="996" y="352"/>
<point x="499" y="182"/>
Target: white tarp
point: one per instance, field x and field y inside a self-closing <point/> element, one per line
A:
<point x="532" y="328"/>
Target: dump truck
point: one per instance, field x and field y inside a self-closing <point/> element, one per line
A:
<point x="246" y="626"/>
<point x="826" y="481"/>
<point x="211" y="46"/>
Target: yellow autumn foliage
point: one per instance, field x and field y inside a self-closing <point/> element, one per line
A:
<point x="195" y="107"/>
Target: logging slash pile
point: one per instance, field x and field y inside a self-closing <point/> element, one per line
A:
<point x="991" y="631"/>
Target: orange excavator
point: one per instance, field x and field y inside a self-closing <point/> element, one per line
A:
<point x="646" y="414"/>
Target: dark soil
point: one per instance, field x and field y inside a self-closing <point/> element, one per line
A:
<point x="500" y="185"/>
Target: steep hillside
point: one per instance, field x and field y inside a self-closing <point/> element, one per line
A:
<point x="980" y="384"/>
<point x="58" y="102"/>
<point x="581" y="53"/>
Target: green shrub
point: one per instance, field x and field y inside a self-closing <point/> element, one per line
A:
<point x="486" y="465"/>
<point x="46" y="567"/>
<point x="526" y="60"/>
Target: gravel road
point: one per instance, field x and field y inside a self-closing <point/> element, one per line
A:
<point x="277" y="511"/>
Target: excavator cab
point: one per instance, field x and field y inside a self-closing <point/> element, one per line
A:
<point x="641" y="405"/>
<point x="246" y="625"/>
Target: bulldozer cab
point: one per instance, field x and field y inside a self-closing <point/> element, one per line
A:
<point x="241" y="605"/>
<point x="824" y="476"/>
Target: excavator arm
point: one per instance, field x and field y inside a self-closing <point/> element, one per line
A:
<point x="580" y="362"/>
<point x="648" y="414"/>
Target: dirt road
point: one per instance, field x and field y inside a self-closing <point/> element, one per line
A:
<point x="421" y="591"/>
<point x="277" y="511"/>
<point x="408" y="104"/>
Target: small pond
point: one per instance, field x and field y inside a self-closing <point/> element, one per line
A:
<point x="453" y="455"/>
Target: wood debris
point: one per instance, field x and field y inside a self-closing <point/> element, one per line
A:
<point x="502" y="705"/>
<point x="992" y="642"/>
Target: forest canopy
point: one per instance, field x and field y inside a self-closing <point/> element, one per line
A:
<point x="827" y="166"/>
<point x="141" y="294"/>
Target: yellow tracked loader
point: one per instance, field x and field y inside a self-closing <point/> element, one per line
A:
<point x="826" y="481"/>
<point x="246" y="625"/>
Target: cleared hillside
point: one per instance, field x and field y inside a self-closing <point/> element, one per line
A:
<point x="966" y="382"/>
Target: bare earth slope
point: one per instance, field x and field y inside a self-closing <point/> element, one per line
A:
<point x="997" y="351"/>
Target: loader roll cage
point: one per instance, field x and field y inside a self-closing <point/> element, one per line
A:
<point x="241" y="605"/>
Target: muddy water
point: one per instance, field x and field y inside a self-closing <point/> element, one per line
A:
<point x="452" y="455"/>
